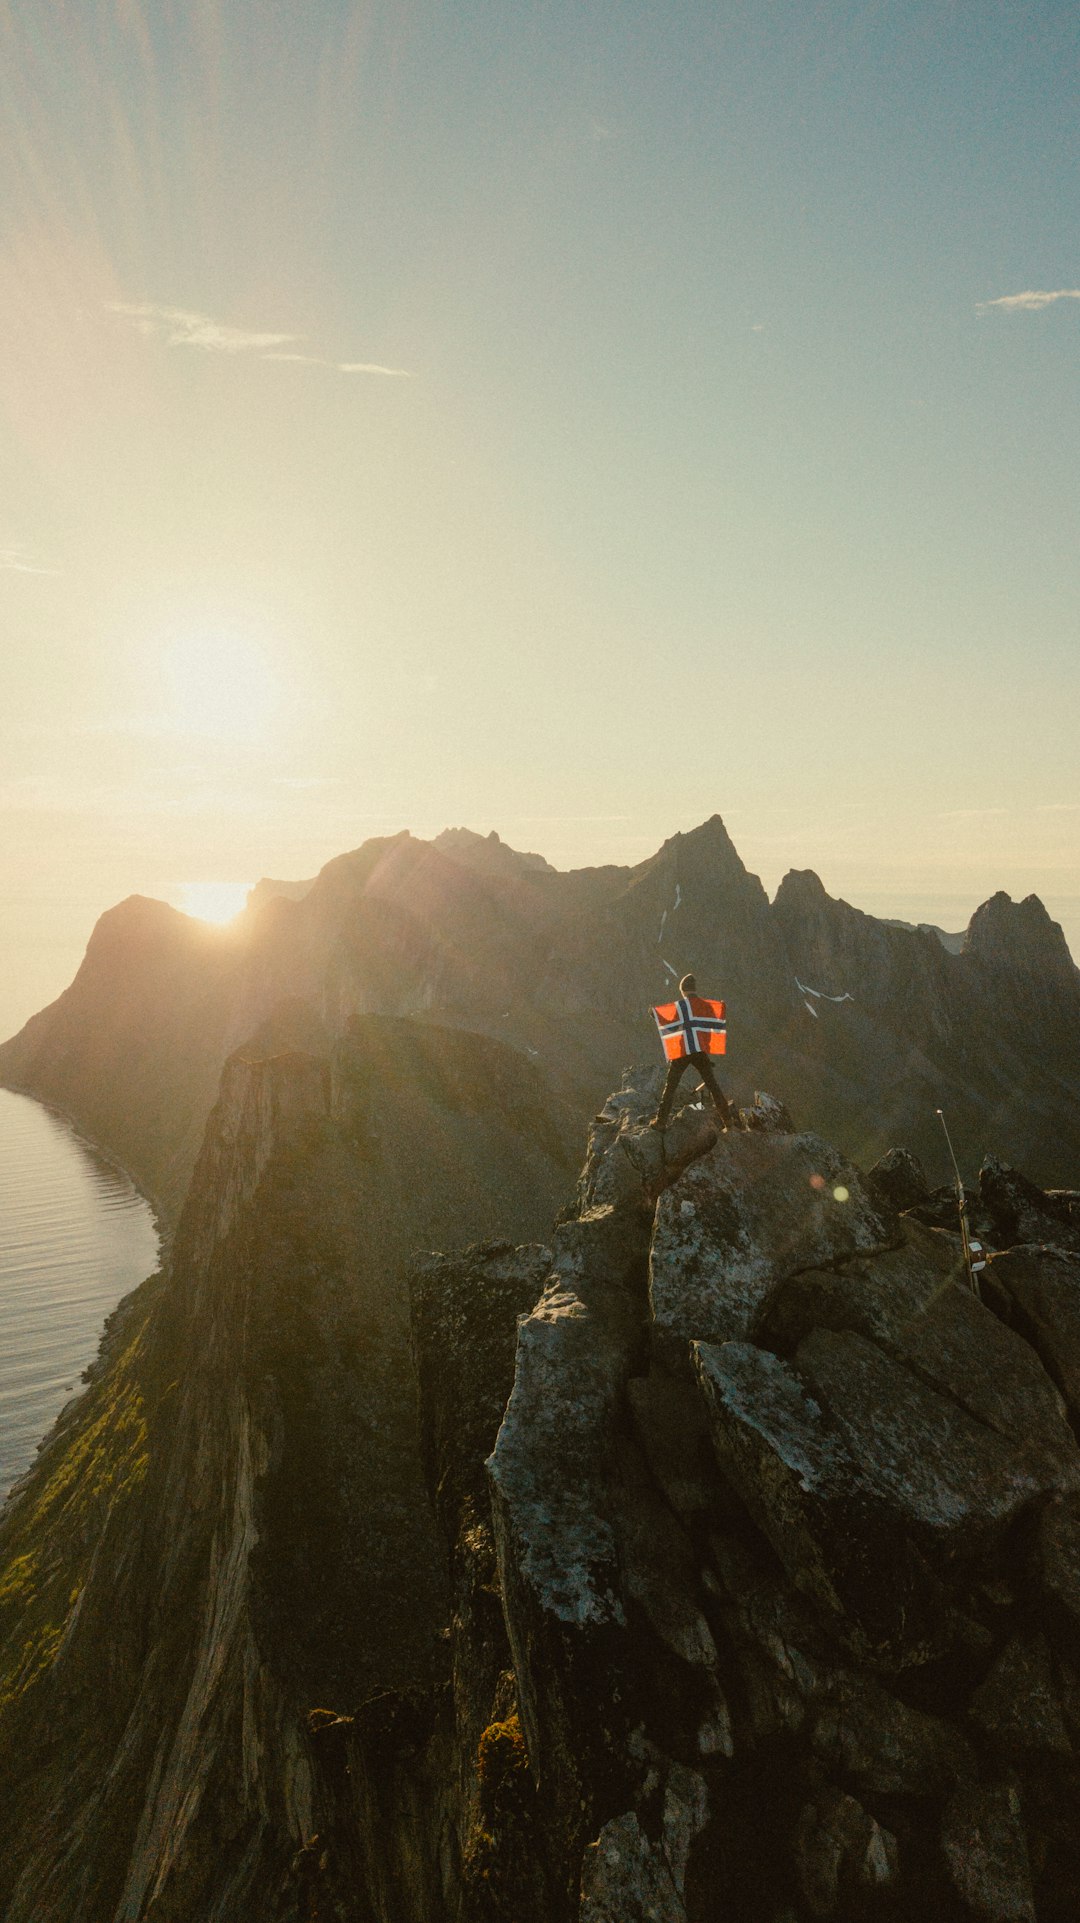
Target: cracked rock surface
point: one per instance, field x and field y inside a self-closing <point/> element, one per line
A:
<point x="717" y="1560"/>
<point x="787" y="1523"/>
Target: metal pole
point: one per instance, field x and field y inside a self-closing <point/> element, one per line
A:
<point x="970" y="1248"/>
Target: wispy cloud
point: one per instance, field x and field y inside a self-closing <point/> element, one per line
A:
<point x="1029" y="302"/>
<point x="341" y="367"/>
<point x="370" y="367"/>
<point x="15" y="560"/>
<point x="179" y="327"/>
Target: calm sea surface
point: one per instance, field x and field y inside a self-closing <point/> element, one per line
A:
<point x="74" y="1237"/>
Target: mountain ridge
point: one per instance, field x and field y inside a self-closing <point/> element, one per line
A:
<point x="463" y="931"/>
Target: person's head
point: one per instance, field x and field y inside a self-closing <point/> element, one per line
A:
<point x="688" y="985"/>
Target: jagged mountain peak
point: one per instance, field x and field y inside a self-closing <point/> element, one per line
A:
<point x="1002" y="926"/>
<point x="351" y="872"/>
<point x="489" y="852"/>
<point x="710" y="838"/>
<point x="801" y="888"/>
<point x="701" y="866"/>
<point x="138" y="912"/>
<point x="141" y="931"/>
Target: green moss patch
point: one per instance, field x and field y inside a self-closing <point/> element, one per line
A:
<point x="57" y="1520"/>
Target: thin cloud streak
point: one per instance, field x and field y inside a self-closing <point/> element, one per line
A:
<point x="342" y="367"/>
<point x="13" y="560"/>
<point x="372" y="367"/>
<point x="179" y="327"/>
<point x="1030" y="302"/>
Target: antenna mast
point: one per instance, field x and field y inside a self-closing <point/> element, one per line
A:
<point x="972" y="1249"/>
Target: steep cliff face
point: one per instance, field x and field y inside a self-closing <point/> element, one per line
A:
<point x="230" y="1530"/>
<point x="717" y="1555"/>
<point x="134" y="1048"/>
<point x="465" y="932"/>
<point x="786" y="1526"/>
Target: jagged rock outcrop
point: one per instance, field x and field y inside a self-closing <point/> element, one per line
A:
<point x="899" y="1180"/>
<point x="1021" y="1212"/>
<point x="790" y="1583"/>
<point x="747" y="1582"/>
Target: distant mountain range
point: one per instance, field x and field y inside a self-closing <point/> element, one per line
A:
<point x="867" y="1026"/>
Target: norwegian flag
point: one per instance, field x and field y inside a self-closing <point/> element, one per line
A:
<point x="692" y="1026"/>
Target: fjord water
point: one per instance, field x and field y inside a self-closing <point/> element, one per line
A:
<point x="75" y="1235"/>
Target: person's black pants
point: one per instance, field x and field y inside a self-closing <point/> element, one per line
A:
<point x="675" y="1072"/>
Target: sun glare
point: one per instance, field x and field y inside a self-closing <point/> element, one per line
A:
<point x="219" y="687"/>
<point x="216" y="901"/>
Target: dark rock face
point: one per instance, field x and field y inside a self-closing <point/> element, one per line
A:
<point x="1041" y="1287"/>
<point x="231" y="1530"/>
<point x="899" y="1180"/>
<point x="1021" y="1212"/>
<point x="791" y="1587"/>
<point x="748" y="1584"/>
<point x="734" y="1228"/>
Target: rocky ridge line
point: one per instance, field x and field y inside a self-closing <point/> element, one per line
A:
<point x="761" y="1586"/>
<point x="787" y="1526"/>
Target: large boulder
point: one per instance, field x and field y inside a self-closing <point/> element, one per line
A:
<point x="985" y="1849"/>
<point x="842" y="1854"/>
<point x="1017" y="1707"/>
<point x="914" y="1303"/>
<point x="949" y="1480"/>
<point x="804" y="1490"/>
<point x="1022" y="1212"/>
<point x="740" y="1221"/>
<point x="1042" y="1290"/>
<point x="887" y="1747"/>
<point x="898" y="1179"/>
<point x="630" y="1876"/>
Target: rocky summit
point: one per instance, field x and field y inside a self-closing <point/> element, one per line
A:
<point x="715" y="1555"/>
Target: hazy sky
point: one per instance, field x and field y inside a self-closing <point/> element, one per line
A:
<point x="571" y="418"/>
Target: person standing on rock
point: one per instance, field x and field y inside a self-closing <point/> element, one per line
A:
<point x="691" y="1030"/>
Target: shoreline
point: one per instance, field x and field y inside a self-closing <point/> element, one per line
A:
<point x="163" y="1235"/>
<point x="164" y="1229"/>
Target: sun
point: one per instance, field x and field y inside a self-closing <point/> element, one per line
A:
<point x="218" y="901"/>
<point x="220" y="687"/>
